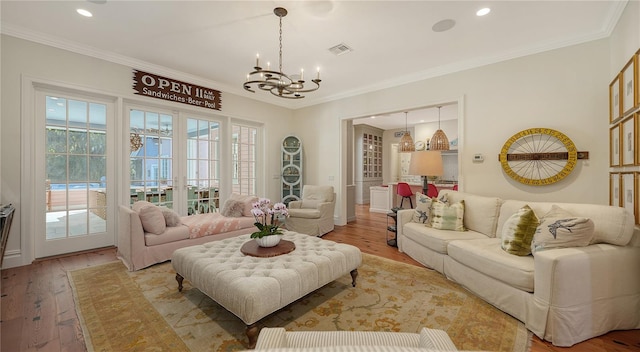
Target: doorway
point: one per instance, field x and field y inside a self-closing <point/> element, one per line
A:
<point x="73" y="172"/>
<point x="421" y="123"/>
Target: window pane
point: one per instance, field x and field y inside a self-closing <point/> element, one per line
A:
<point x="77" y="142"/>
<point x="98" y="116"/>
<point x="56" y="140"/>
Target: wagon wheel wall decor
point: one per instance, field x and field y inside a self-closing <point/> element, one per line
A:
<point x="539" y="156"/>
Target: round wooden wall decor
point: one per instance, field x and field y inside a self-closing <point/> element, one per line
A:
<point x="538" y="156"/>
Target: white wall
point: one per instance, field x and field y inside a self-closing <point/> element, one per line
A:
<point x="21" y="58"/>
<point x="559" y="89"/>
<point x="564" y="89"/>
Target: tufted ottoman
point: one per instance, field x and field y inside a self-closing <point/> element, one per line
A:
<point x="252" y="287"/>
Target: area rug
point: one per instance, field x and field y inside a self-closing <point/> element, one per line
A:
<point x="143" y="310"/>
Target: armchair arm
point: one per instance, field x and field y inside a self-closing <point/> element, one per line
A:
<point x="403" y="217"/>
<point x="295" y="204"/>
<point x="326" y="209"/>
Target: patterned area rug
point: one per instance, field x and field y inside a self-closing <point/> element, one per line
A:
<point x="122" y="311"/>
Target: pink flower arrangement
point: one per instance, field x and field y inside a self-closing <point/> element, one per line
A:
<point x="268" y="217"/>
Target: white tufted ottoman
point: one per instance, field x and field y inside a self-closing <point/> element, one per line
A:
<point x="252" y="287"/>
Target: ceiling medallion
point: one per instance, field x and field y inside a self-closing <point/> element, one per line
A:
<point x="277" y="82"/>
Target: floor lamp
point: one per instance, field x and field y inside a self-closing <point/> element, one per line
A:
<point x="426" y="163"/>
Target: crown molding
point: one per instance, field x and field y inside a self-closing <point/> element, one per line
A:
<point x="56" y="42"/>
<point x="610" y="23"/>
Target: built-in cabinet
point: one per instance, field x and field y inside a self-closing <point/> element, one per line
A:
<point x="368" y="169"/>
<point x="291" y="169"/>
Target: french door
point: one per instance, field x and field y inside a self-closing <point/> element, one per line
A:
<point x="74" y="173"/>
<point x="174" y="160"/>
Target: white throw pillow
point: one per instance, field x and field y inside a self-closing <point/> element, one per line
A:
<point x="422" y="212"/>
<point x="560" y="229"/>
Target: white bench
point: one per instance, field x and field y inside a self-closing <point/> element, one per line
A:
<point x="253" y="287"/>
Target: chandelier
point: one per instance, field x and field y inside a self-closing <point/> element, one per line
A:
<point x="277" y="82"/>
<point x="439" y="141"/>
<point x="406" y="142"/>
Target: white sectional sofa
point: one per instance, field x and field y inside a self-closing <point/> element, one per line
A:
<point x="563" y="295"/>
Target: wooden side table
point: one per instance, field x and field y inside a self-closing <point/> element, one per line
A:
<point x="393" y="228"/>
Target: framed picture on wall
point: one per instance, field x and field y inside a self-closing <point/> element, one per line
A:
<point x="614" y="145"/>
<point x="628" y="196"/>
<point x="629" y="86"/>
<point x="638" y="78"/>
<point x="615" y="109"/>
<point x="628" y="137"/>
<point x="614" y="189"/>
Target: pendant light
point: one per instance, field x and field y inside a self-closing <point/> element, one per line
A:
<point x="439" y="141"/>
<point x="406" y="142"/>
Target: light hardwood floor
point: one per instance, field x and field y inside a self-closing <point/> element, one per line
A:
<point x="38" y="313"/>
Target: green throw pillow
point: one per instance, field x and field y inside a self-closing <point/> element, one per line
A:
<point x="518" y="231"/>
<point x="560" y="229"/>
<point x="422" y="211"/>
<point x="447" y="217"/>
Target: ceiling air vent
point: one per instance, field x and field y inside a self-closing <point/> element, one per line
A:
<point x="340" y="49"/>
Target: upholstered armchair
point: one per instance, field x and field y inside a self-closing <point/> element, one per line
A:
<point x="313" y="214"/>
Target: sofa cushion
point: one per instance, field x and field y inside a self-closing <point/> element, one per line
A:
<point x="171" y="234"/>
<point x="518" y="231"/>
<point x="560" y="229"/>
<point x="422" y="212"/>
<point x="434" y="239"/>
<point x="150" y="216"/>
<point x="612" y="225"/>
<point x="486" y="256"/>
<point x="304" y="213"/>
<point x="171" y="218"/>
<point x="318" y="193"/>
<point x="246" y="200"/>
<point x="310" y="204"/>
<point x="480" y="213"/>
<point x="447" y="217"/>
<point x="233" y="208"/>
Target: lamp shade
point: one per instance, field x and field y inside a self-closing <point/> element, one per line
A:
<point x="406" y="144"/>
<point x="439" y="141"/>
<point x="426" y="163"/>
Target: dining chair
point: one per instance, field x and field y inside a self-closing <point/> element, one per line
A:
<point x="211" y="206"/>
<point x="168" y="198"/>
<point x="193" y="206"/>
<point x="432" y="190"/>
<point x="404" y="190"/>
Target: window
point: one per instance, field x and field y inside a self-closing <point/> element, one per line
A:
<point x="243" y="149"/>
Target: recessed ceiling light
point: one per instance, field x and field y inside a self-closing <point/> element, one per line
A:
<point x="84" y="13"/>
<point x="483" y="11"/>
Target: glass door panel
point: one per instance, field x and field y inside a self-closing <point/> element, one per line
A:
<point x="203" y="166"/>
<point x="74" y="157"/>
<point x="151" y="157"/>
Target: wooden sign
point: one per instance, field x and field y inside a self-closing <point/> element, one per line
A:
<point x="159" y="87"/>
